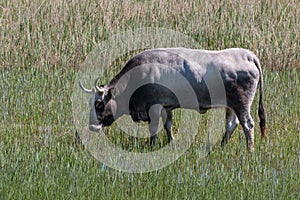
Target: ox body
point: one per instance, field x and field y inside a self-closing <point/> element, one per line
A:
<point x="157" y="81"/>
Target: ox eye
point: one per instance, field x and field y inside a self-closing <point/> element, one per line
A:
<point x="98" y="105"/>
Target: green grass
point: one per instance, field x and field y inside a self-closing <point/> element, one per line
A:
<point x="43" y="46"/>
<point x="40" y="159"/>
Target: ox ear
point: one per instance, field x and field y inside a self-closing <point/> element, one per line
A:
<point x="111" y="93"/>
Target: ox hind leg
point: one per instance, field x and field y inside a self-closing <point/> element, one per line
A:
<point x="231" y="123"/>
<point x="247" y="124"/>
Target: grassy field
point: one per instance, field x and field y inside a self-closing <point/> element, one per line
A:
<point x="43" y="46"/>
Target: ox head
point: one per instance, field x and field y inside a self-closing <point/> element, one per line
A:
<point x="102" y="106"/>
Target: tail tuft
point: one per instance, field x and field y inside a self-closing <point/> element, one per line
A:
<point x="262" y="117"/>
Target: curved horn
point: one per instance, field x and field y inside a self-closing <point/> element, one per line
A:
<point x="84" y="89"/>
<point x="97" y="87"/>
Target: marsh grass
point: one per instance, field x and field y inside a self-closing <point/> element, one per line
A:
<point x="43" y="45"/>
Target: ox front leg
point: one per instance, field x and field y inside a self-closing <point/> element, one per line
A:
<point x="154" y="114"/>
<point x="231" y="123"/>
<point x="167" y="120"/>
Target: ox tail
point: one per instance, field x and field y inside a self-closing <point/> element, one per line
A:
<point x="261" y="110"/>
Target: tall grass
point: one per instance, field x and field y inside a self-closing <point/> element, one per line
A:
<point x="44" y="43"/>
<point x="61" y="33"/>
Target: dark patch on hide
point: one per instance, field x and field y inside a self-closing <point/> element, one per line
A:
<point x="148" y="95"/>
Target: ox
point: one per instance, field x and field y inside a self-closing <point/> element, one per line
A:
<point x="166" y="72"/>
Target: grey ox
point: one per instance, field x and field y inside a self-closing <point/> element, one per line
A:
<point x="156" y="81"/>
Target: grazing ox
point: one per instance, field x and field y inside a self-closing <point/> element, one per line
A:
<point x="156" y="81"/>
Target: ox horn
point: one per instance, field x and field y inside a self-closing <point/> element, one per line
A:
<point x="84" y="89"/>
<point x="99" y="89"/>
